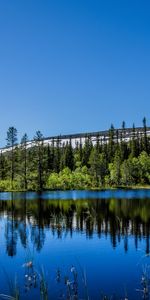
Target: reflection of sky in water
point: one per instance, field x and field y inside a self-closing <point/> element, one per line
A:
<point x="109" y="239"/>
<point x="106" y="194"/>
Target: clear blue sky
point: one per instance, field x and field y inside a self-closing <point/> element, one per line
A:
<point x="73" y="65"/>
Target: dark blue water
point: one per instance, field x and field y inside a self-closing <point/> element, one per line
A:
<point x="98" y="241"/>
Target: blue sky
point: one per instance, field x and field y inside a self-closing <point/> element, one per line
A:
<point x="71" y="66"/>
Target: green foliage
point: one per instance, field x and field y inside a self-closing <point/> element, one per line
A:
<point x="114" y="170"/>
<point x="39" y="156"/>
<point x="144" y="161"/>
<point x="112" y="161"/>
<point x="87" y="148"/>
<point x="6" y="185"/>
<point x="68" y="156"/>
<point x="11" y="141"/>
<point x="11" y="136"/>
<point x="65" y="180"/>
<point x="98" y="166"/>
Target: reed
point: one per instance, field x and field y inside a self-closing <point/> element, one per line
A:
<point x="43" y="285"/>
<point x="70" y="285"/>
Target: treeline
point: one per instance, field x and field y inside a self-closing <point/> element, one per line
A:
<point x="116" y="161"/>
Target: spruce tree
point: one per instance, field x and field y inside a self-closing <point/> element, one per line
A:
<point x="80" y="151"/>
<point x="24" y="142"/>
<point x="145" y="141"/>
<point x="111" y="143"/>
<point x="39" y="157"/>
<point x="69" y="156"/>
<point x="123" y="143"/>
<point x="87" y="148"/>
<point x="133" y="143"/>
<point x="11" y="142"/>
<point x="57" y="156"/>
<point x="3" y="167"/>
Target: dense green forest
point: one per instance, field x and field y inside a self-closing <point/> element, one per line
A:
<point x="112" y="163"/>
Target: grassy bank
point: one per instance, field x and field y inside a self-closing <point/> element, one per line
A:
<point x="15" y="188"/>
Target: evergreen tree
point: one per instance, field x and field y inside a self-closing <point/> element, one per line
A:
<point x="57" y="156"/>
<point x="145" y="141"/>
<point x="3" y="166"/>
<point x="104" y="159"/>
<point x="50" y="158"/>
<point x="11" y="142"/>
<point x="87" y="151"/>
<point x="39" y="157"/>
<point x="115" y="169"/>
<point x="111" y="144"/>
<point x="98" y="143"/>
<point x="24" y="142"/>
<point x="123" y="143"/>
<point x="133" y="143"/>
<point x="105" y="147"/>
<point x="94" y="165"/>
<point x="137" y="144"/>
<point x="98" y="166"/>
<point x="62" y="158"/>
<point x="80" y="151"/>
<point x="69" y="156"/>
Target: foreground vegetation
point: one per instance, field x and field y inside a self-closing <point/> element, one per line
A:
<point x="111" y="163"/>
<point x="69" y="286"/>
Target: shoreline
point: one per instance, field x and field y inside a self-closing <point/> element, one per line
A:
<point x="133" y="187"/>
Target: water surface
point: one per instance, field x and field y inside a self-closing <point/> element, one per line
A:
<point x="104" y="235"/>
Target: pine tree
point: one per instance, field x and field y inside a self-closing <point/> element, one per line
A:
<point x="80" y="151"/>
<point x="11" y="142"/>
<point x="69" y="156"/>
<point x="87" y="151"/>
<point x="57" y="156"/>
<point x="123" y="144"/>
<point x="98" y="166"/>
<point x="39" y="156"/>
<point x="145" y="141"/>
<point x="111" y="143"/>
<point x="3" y="166"/>
<point x="98" y="143"/>
<point x="24" y="142"/>
<point x="133" y="143"/>
<point x="49" y="163"/>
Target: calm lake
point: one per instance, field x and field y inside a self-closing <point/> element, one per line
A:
<point x="79" y="242"/>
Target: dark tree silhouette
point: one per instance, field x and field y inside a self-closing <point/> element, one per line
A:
<point x="11" y="142"/>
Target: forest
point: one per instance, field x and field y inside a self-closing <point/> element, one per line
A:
<point x="117" y="162"/>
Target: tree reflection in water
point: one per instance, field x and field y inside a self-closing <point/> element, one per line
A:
<point x="117" y="218"/>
